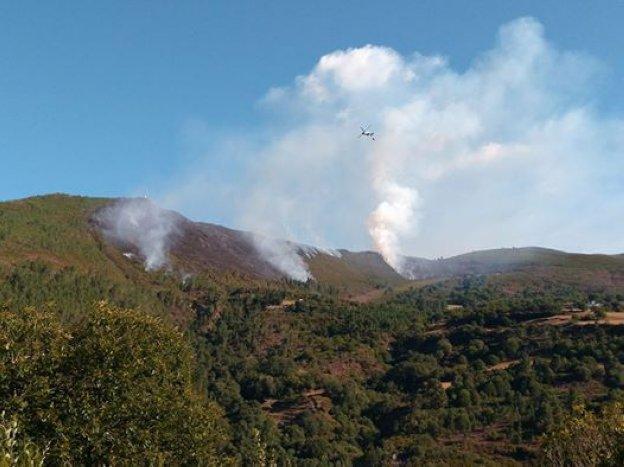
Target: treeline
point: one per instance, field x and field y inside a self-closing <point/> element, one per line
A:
<point x="265" y="373"/>
<point x="427" y="378"/>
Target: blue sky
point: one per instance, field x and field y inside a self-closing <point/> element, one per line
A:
<point x="94" y="95"/>
<point x="97" y="98"/>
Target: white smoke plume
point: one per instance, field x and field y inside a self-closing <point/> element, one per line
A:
<point x="284" y="256"/>
<point x="391" y="218"/>
<point x="140" y="223"/>
<point x="511" y="151"/>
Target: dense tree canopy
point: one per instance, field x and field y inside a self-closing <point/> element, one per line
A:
<point x="462" y="371"/>
<point x="116" y="385"/>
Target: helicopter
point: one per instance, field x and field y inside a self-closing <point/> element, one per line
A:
<point x="365" y="132"/>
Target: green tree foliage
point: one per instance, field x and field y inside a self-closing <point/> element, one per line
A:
<point x="587" y="439"/>
<point x="114" y="386"/>
<point x="304" y="377"/>
<point x="16" y="449"/>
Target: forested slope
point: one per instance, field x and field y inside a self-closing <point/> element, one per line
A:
<point x="102" y="361"/>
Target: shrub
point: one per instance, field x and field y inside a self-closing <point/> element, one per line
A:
<point x="115" y="386"/>
<point x="587" y="439"/>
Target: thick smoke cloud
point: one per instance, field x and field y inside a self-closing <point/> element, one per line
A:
<point x="139" y="223"/>
<point x="391" y="218"/>
<point x="509" y="152"/>
<point x="284" y="256"/>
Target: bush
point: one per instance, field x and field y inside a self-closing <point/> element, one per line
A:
<point x="15" y="448"/>
<point x="587" y="439"/>
<point x="116" y="386"/>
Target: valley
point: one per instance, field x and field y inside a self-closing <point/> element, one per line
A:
<point x="474" y="359"/>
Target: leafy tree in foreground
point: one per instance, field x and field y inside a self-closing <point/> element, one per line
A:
<point x="587" y="439"/>
<point x="115" y="387"/>
<point x="15" y="448"/>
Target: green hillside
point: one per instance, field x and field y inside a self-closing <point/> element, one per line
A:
<point x="58" y="230"/>
<point x="354" y="272"/>
<point x="528" y="266"/>
<point x="539" y="257"/>
<point x="54" y="229"/>
<point x="497" y="362"/>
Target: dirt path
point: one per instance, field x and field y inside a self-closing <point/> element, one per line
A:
<point x="612" y="318"/>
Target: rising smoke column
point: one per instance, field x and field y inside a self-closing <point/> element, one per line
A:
<point x="140" y="223"/>
<point x="473" y="141"/>
<point x="344" y="85"/>
<point x="284" y="256"/>
<point x="393" y="217"/>
<point x="508" y="150"/>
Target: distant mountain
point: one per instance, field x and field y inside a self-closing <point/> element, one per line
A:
<point x="530" y="264"/>
<point x="483" y="262"/>
<point x="66" y="230"/>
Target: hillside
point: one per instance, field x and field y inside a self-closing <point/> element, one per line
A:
<point x="54" y="229"/>
<point x="62" y="230"/>
<point x="473" y="363"/>
<point x="525" y="265"/>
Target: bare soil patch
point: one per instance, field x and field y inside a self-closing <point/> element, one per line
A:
<point x="584" y="318"/>
<point x="284" y="411"/>
<point x="502" y="365"/>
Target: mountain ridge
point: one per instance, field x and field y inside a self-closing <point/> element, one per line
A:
<point x="64" y="230"/>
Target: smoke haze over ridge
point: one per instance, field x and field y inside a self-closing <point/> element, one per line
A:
<point x="141" y="224"/>
<point x="510" y="151"/>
